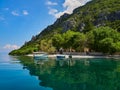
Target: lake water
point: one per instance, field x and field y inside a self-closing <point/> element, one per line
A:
<point x="24" y="73"/>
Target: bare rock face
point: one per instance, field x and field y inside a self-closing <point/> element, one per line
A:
<point x="61" y="19"/>
<point x="81" y="27"/>
<point x="102" y="18"/>
<point x="68" y="25"/>
<point x="114" y="16"/>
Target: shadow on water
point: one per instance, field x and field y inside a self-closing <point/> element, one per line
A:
<point x="73" y="74"/>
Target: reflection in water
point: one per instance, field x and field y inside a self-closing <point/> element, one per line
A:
<point x="83" y="74"/>
<point x="65" y="62"/>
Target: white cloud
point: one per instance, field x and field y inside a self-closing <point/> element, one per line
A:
<point x="25" y="12"/>
<point x="51" y="3"/>
<point x="69" y="6"/>
<point x="10" y="47"/>
<point x="19" y="12"/>
<point x="52" y="11"/>
<point x="57" y="15"/>
<point x="15" y="13"/>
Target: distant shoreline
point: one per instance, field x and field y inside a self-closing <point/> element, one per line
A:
<point x="81" y="56"/>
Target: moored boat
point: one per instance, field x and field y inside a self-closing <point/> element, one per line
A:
<point x="60" y="56"/>
<point x="40" y="55"/>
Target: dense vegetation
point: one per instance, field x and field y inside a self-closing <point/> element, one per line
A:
<point x="102" y="39"/>
<point x="95" y="25"/>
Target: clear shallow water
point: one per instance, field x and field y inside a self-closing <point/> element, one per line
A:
<point x="14" y="77"/>
<point x="24" y="73"/>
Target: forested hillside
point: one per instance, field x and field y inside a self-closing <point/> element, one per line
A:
<point x="95" y="25"/>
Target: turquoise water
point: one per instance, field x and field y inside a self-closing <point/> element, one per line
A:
<point x="14" y="77"/>
<point x="24" y="73"/>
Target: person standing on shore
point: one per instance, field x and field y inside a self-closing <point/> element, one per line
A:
<point x="61" y="50"/>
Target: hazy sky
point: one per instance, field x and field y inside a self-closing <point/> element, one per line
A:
<point x="21" y="19"/>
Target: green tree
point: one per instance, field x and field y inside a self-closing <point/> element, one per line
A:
<point x="46" y="46"/>
<point x="74" y="40"/>
<point x="106" y="45"/>
<point x="101" y="39"/>
<point x="57" y="40"/>
<point x="117" y="46"/>
<point x="79" y="41"/>
<point x="68" y="39"/>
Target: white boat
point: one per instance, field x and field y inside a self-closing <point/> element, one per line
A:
<point x="40" y="55"/>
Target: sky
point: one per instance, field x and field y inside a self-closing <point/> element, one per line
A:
<point x="21" y="19"/>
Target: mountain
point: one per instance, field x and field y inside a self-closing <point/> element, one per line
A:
<point x="95" y="13"/>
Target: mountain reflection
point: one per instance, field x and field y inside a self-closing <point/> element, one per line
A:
<point x="82" y="74"/>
